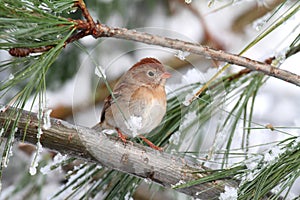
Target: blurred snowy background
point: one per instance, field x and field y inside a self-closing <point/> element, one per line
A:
<point x="72" y="83"/>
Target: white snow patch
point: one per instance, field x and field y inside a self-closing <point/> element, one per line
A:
<point x="273" y="154"/>
<point x="134" y="123"/>
<point x="39" y="133"/>
<point x="175" y="138"/>
<point x="188" y="119"/>
<point x="253" y="162"/>
<point x="11" y="76"/>
<point x="192" y="76"/>
<point x="187" y="100"/>
<point x="6" y="158"/>
<point x="56" y="160"/>
<point x="180" y="182"/>
<point x="1" y="132"/>
<point x="109" y="131"/>
<point x="229" y="194"/>
<point x="128" y="197"/>
<point x="75" y="177"/>
<point x="147" y="180"/>
<point x="39" y="114"/>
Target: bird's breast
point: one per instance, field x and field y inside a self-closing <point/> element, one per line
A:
<point x="140" y="113"/>
<point x="154" y="111"/>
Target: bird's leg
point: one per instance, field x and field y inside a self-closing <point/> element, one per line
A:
<point x="153" y="146"/>
<point x="121" y="136"/>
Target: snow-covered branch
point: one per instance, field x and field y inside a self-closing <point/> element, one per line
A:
<point x="141" y="161"/>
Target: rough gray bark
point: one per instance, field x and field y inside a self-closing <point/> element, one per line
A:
<point x="141" y="161"/>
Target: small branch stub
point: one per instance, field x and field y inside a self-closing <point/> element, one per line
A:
<point x="24" y="51"/>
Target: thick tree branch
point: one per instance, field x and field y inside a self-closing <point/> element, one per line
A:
<point x="134" y="159"/>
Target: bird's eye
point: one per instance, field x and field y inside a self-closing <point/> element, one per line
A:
<point x="150" y="73"/>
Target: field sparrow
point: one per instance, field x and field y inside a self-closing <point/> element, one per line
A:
<point x="138" y="103"/>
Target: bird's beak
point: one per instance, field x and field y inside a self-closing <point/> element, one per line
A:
<point x="166" y="75"/>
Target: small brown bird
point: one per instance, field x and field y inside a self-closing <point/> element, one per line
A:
<point x="138" y="101"/>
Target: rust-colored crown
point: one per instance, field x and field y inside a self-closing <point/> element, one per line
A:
<point x="145" y="61"/>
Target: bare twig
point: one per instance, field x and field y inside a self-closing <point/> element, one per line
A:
<point x="200" y="50"/>
<point x="144" y="162"/>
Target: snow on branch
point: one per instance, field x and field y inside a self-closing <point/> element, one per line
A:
<point x="135" y="159"/>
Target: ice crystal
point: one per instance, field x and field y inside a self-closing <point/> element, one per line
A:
<point x="35" y="159"/>
<point x="182" y="54"/>
<point x="46" y="119"/>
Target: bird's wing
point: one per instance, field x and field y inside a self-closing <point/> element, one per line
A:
<point x="107" y="104"/>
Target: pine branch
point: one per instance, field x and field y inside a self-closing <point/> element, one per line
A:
<point x="87" y="144"/>
<point x="98" y="30"/>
